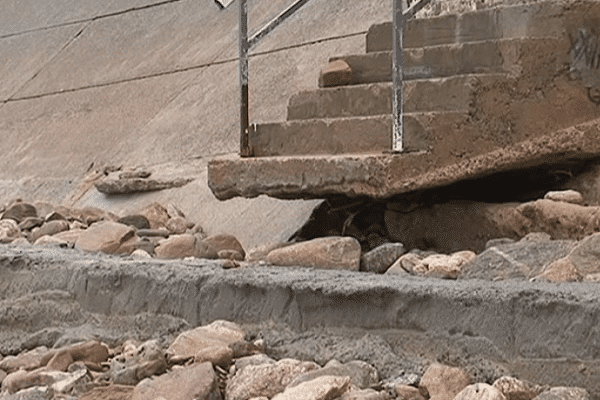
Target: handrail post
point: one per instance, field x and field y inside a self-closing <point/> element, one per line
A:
<point x="398" y="29"/>
<point x="245" y="150"/>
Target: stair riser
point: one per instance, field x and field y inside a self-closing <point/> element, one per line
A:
<point x="443" y="94"/>
<point x="340" y="136"/>
<point x="532" y="20"/>
<point x="491" y="57"/>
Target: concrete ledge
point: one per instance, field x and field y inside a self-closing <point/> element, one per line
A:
<point x="523" y="324"/>
<point x="386" y="175"/>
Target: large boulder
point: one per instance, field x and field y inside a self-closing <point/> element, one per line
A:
<point x="197" y="381"/>
<point x="361" y="374"/>
<point x="333" y="252"/>
<point x="321" y="388"/>
<point x="9" y="230"/>
<point x="49" y="228"/>
<point x="515" y="389"/>
<point x="382" y="257"/>
<point x="442" y="382"/>
<point x="105" y="236"/>
<point x="19" y="211"/>
<point x="181" y="246"/>
<point x="480" y="391"/>
<point x="582" y="260"/>
<point x="265" y="380"/>
<point x="219" y="334"/>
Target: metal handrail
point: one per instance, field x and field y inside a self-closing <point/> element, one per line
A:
<point x="402" y="11"/>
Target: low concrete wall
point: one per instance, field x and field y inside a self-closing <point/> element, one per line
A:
<point x="544" y="332"/>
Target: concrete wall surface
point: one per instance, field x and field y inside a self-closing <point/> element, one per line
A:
<point x="85" y="85"/>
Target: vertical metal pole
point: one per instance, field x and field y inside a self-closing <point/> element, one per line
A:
<point x="398" y="29"/>
<point x="243" y="54"/>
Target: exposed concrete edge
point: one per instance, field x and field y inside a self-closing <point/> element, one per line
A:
<point x="386" y="175"/>
<point x="513" y="315"/>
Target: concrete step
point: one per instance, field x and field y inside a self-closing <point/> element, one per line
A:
<point x="455" y="93"/>
<point x="493" y="56"/>
<point x="354" y="135"/>
<point x="544" y="19"/>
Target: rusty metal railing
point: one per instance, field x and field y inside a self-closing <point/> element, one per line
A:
<point x="402" y="11"/>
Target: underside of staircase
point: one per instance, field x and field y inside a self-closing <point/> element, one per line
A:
<point x="489" y="91"/>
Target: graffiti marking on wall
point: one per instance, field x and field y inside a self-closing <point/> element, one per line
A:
<point x="585" y="62"/>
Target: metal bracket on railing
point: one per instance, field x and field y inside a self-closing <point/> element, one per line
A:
<point x="402" y="12"/>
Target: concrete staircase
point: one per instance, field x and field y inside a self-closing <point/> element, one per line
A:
<point x="475" y="84"/>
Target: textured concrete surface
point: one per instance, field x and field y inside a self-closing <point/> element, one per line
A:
<point x="515" y="324"/>
<point x="154" y="83"/>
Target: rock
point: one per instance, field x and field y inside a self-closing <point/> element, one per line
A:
<point x="9" y="230"/>
<point x="140" y="254"/>
<point x="444" y="266"/>
<point x="30" y="222"/>
<point x="90" y="215"/>
<point x="136" y="220"/>
<point x="134" y="174"/>
<point x="515" y="389"/>
<point x="518" y="260"/>
<point x="406" y="263"/>
<point x="70" y="236"/>
<point x="381" y="258"/>
<point x="181" y="246"/>
<point x="396" y="269"/>
<point x="143" y="362"/>
<point x="22" y="379"/>
<point x="564" y="393"/>
<point x="498" y="242"/>
<point x="105" y="236"/>
<point x="225" y="242"/>
<point x="21" y="242"/>
<point x="480" y="391"/>
<point x="230" y="255"/>
<point x="197" y="381"/>
<point x="536" y="237"/>
<point x="217" y="355"/>
<point x="51" y="241"/>
<point x="157" y="215"/>
<point x="49" y="229"/>
<point x="257" y="359"/>
<point x="266" y="379"/>
<point x="178" y="225"/>
<point x="163" y="232"/>
<point x="76" y="381"/>
<point x="585" y="256"/>
<point x="453" y="226"/>
<point x="442" y="382"/>
<point x="361" y="374"/>
<point x="243" y="348"/>
<point x="335" y="73"/>
<point x="112" y="186"/>
<point x="19" y="211"/>
<point x="54" y="216"/>
<point x="406" y="392"/>
<point x="566" y="196"/>
<point x="2" y="376"/>
<point x="366" y="394"/>
<point x="34" y="393"/>
<point x="218" y="333"/>
<point x="321" y="388"/>
<point x="261" y="253"/>
<point x="112" y="392"/>
<point x="561" y="270"/>
<point x="92" y="352"/>
<point x="560" y="220"/>
<point x="28" y="360"/>
<point x="332" y="252"/>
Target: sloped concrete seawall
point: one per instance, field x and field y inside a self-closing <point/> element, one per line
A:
<point x="547" y="333"/>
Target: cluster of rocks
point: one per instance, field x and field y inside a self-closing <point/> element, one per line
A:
<point x="160" y="231"/>
<point x="556" y="235"/>
<point x="215" y="362"/>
